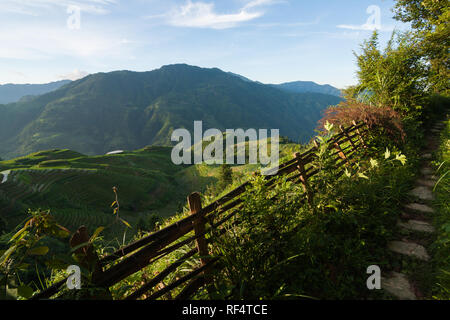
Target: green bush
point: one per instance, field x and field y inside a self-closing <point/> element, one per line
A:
<point x="284" y="247"/>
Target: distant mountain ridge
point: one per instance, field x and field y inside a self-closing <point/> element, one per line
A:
<point x="308" y="86"/>
<point x="299" y="86"/>
<point x="10" y="93"/>
<point x="125" y="110"/>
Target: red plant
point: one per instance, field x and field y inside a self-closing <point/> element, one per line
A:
<point x="384" y="118"/>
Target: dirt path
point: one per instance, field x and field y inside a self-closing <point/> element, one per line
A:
<point x="415" y="227"/>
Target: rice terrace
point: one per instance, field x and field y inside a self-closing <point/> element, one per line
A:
<point x="224" y="159"/>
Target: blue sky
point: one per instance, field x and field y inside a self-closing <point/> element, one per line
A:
<point x="271" y="41"/>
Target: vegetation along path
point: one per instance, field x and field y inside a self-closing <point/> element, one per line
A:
<point x="413" y="274"/>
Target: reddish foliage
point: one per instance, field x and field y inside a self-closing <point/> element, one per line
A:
<point x="384" y="118"/>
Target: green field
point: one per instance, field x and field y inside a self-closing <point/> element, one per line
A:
<point x="77" y="189"/>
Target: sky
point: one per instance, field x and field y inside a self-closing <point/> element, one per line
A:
<point x="271" y="41"/>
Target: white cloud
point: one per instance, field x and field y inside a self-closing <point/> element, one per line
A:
<point x="203" y="15"/>
<point x="36" y="7"/>
<point x="27" y="44"/>
<point x="74" y="75"/>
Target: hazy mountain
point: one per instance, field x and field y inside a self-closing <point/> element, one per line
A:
<point x="14" y="92"/>
<point x="126" y="110"/>
<point x="308" y="86"/>
<point x="243" y="78"/>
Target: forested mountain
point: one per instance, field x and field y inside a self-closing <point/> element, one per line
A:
<point x="308" y="86"/>
<point x="129" y="110"/>
<point x="10" y="93"/>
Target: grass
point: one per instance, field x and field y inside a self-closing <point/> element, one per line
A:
<point x="325" y="259"/>
<point x="334" y="250"/>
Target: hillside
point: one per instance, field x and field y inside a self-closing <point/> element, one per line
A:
<point x="78" y="188"/>
<point x="308" y="86"/>
<point x="129" y="110"/>
<point x="10" y="93"/>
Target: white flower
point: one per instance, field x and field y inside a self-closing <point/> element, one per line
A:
<point x="373" y="163"/>
<point x="387" y="154"/>
<point x="347" y="173"/>
<point x="401" y="157"/>
<point x="362" y="175"/>
<point x="328" y="126"/>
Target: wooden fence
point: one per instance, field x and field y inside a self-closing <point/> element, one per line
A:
<point x="191" y="231"/>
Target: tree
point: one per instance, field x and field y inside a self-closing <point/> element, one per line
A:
<point x="394" y="77"/>
<point x="225" y="176"/>
<point x="430" y="20"/>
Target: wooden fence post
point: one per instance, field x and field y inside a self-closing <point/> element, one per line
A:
<point x="345" y="133"/>
<point x="340" y="152"/>
<point x="303" y="177"/>
<point x="195" y="205"/>
<point x="360" y="135"/>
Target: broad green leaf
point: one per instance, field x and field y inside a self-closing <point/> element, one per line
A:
<point x="25" y="291"/>
<point x="38" y="251"/>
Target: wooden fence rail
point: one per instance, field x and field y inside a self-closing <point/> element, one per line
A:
<point x="191" y="231"/>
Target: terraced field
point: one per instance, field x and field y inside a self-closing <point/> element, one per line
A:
<point x="77" y="189"/>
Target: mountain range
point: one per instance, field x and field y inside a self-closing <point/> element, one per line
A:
<point x="10" y="93"/>
<point x="129" y="110"/>
<point x="308" y="86"/>
<point x="300" y="86"/>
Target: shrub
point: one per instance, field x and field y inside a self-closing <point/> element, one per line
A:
<point x="285" y="248"/>
<point x="385" y="119"/>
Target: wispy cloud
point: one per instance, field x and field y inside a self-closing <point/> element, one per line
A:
<point x="50" y="42"/>
<point x="74" y="75"/>
<point x="203" y="15"/>
<point x="36" y="7"/>
<point x="345" y="35"/>
<point x="289" y="24"/>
